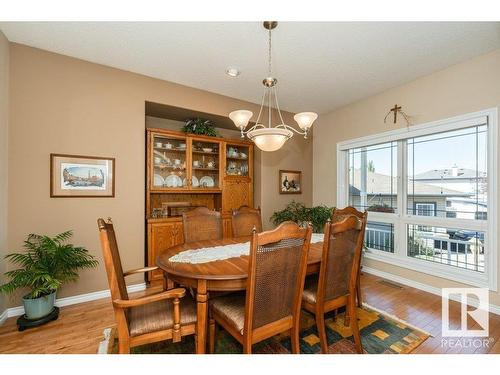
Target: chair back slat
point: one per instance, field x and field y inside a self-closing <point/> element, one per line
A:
<point x="201" y="224"/>
<point x="341" y="258"/>
<point x="278" y="261"/>
<point x="112" y="260"/>
<point x="244" y="219"/>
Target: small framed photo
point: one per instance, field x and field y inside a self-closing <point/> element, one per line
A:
<point x="290" y="182"/>
<point x="81" y="176"/>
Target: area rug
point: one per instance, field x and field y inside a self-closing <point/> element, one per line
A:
<point x="380" y="334"/>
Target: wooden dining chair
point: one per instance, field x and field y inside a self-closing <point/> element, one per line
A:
<point x="148" y="319"/>
<point x="244" y="219"/>
<point x="271" y="304"/>
<point x="201" y="224"/>
<point x="339" y="214"/>
<point x="336" y="286"/>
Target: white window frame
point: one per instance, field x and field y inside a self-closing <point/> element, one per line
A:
<point x="432" y="210"/>
<point x="401" y="219"/>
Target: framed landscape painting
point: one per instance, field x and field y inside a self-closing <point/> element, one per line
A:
<point x="290" y="182"/>
<point x="81" y="176"/>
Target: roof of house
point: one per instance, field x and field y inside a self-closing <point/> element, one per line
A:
<point x="380" y="184"/>
<point x="449" y="173"/>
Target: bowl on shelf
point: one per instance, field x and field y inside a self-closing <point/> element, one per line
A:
<point x="207" y="149"/>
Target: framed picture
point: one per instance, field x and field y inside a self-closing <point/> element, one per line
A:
<point x="290" y="182"/>
<point x="81" y="176"/>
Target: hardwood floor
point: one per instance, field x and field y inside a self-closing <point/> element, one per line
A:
<point x="79" y="328"/>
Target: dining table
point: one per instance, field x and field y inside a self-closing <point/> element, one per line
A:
<point x="225" y="275"/>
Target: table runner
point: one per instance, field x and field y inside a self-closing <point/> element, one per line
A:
<point x="211" y="254"/>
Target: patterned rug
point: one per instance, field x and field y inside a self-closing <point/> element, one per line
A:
<point x="380" y="333"/>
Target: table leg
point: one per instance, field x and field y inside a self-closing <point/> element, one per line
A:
<point x="201" y="312"/>
<point x="168" y="283"/>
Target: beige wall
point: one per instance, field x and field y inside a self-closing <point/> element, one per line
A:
<point x="295" y="155"/>
<point x="4" y="157"/>
<point x="463" y="88"/>
<point x="64" y="105"/>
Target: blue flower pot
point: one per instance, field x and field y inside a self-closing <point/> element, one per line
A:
<point x="36" y="308"/>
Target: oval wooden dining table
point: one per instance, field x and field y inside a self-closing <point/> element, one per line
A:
<point x="217" y="276"/>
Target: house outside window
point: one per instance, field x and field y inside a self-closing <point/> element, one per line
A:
<point x="428" y="191"/>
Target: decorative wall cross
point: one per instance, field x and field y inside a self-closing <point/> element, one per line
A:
<point x="397" y="109"/>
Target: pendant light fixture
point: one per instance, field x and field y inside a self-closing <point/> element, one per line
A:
<point x="271" y="138"/>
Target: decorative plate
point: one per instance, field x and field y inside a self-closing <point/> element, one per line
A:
<point x="207" y="181"/>
<point x="195" y="182"/>
<point x="173" y="181"/>
<point x="158" y="180"/>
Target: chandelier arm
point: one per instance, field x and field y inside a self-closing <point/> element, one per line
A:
<point x="256" y="126"/>
<point x="261" y="106"/>
<point x="285" y="126"/>
<point x="277" y="104"/>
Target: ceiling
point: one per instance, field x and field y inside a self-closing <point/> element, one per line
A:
<point x="320" y="66"/>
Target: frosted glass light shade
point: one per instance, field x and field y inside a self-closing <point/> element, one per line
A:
<point x="305" y="119"/>
<point x="270" y="139"/>
<point x="241" y="118"/>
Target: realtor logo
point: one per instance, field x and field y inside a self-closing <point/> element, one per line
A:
<point x="476" y="316"/>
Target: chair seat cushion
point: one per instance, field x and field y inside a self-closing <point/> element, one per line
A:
<point x="158" y="316"/>
<point x="310" y="290"/>
<point x="231" y="308"/>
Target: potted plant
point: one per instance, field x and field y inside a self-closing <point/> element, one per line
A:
<point x="200" y="126"/>
<point x="46" y="264"/>
<point x="297" y="212"/>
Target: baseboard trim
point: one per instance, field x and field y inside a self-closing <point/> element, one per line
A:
<point x="73" y="300"/>
<point x="494" y="309"/>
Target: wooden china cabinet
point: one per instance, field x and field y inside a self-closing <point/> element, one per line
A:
<point x="185" y="171"/>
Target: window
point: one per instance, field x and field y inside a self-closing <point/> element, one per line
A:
<point x="451" y="167"/>
<point x="372" y="178"/>
<point x="425" y="209"/>
<point x="380" y="236"/>
<point x="429" y="191"/>
<point x="481" y="215"/>
<point x="462" y="249"/>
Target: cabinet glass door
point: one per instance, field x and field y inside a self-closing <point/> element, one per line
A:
<point x="169" y="161"/>
<point x="237" y="160"/>
<point x="205" y="163"/>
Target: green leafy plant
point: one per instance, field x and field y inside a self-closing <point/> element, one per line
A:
<point x="201" y="127"/>
<point x="301" y="214"/>
<point x="47" y="263"/>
